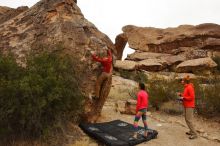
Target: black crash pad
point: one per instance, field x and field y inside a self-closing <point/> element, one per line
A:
<point x="117" y="133"/>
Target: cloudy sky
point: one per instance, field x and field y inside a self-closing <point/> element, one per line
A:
<point x="111" y="15"/>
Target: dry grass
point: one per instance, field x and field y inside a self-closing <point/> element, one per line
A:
<point x="172" y="107"/>
<point x="24" y="143"/>
<point x="85" y="141"/>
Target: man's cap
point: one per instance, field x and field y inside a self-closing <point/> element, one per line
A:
<point x="186" y="78"/>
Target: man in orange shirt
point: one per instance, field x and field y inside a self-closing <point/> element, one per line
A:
<point x="106" y="71"/>
<point x="188" y="98"/>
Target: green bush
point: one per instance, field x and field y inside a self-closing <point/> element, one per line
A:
<point x="125" y="74"/>
<point x="208" y="97"/>
<point x="140" y="77"/>
<point x="38" y="97"/>
<point x="161" y="91"/>
<point x="206" y="93"/>
<point x="137" y="76"/>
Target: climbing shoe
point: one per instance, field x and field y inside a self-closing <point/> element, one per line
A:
<point x="94" y="97"/>
<point x="193" y="137"/>
<point x="188" y="133"/>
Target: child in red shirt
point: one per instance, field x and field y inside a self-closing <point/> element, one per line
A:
<point x="141" y="109"/>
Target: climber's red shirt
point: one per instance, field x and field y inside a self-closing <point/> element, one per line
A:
<point x="142" y="100"/>
<point x="188" y="96"/>
<point x="106" y="62"/>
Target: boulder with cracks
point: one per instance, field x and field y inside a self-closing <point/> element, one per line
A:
<point x="173" y="45"/>
<point x="52" y="25"/>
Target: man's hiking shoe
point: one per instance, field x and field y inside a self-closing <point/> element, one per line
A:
<point x="188" y="133"/>
<point x="193" y="137"/>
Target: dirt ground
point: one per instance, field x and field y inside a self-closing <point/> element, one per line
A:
<point x="171" y="128"/>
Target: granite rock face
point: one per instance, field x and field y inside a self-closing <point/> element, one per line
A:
<point x="4" y="9"/>
<point x="172" y="45"/>
<point x="125" y="65"/>
<point x="53" y="25"/>
<point x="196" y="65"/>
<point x="9" y="13"/>
<point x="204" y="36"/>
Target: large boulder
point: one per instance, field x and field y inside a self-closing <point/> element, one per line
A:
<point x="126" y="107"/>
<point x="174" y="59"/>
<point x="203" y="36"/>
<point x="120" y="43"/>
<point x="130" y="107"/>
<point x="125" y="65"/>
<point x="201" y="65"/>
<point x="121" y="88"/>
<point x="4" y="9"/>
<point x="172" y="45"/>
<point x="156" y="61"/>
<point x="55" y="25"/>
<point x="192" y="53"/>
<point x="152" y="64"/>
<point x="9" y="13"/>
<point x="138" y="56"/>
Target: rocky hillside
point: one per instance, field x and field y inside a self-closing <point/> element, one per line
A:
<point x="4" y="10"/>
<point x="185" y="49"/>
<point x="52" y="26"/>
<point x="9" y="13"/>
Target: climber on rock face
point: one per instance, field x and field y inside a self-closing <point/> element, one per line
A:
<point x="106" y="71"/>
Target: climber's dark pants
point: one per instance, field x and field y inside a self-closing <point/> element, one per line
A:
<point x="104" y="76"/>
